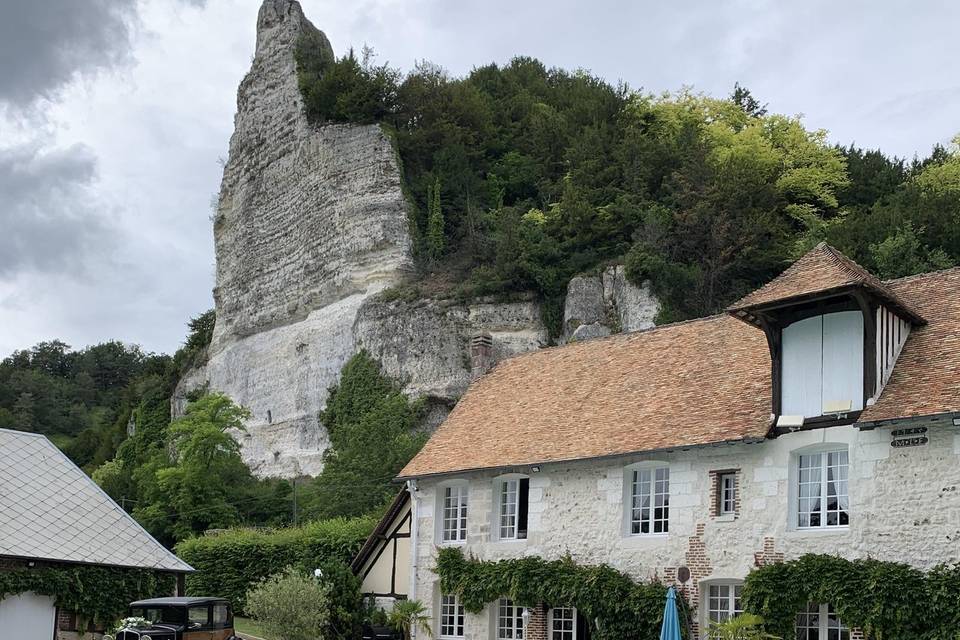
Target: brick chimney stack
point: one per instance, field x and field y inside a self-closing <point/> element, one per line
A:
<point x="481" y="354"/>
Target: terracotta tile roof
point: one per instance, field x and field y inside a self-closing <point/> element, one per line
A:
<point x="926" y="378"/>
<point x="691" y="383"/>
<point x="821" y="270"/>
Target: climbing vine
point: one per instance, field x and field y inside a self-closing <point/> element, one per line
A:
<point x="618" y="606"/>
<point x="99" y="594"/>
<point x="887" y="600"/>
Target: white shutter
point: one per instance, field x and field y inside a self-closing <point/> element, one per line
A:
<point x="802" y="368"/>
<point x="843" y="359"/>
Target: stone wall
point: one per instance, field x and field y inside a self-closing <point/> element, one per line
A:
<point x="905" y="507"/>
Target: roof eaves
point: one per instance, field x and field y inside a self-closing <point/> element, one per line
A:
<point x="604" y="457"/>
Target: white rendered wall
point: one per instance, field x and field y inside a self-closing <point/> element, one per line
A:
<point x="905" y="507"/>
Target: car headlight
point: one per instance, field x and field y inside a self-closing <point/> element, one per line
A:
<point x="145" y="638"/>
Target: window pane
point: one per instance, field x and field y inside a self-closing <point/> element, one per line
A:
<point x="455" y="514"/>
<point x="650" y="500"/>
<point x="509" y="621"/>
<point x="197" y="614"/>
<point x="563" y="623"/>
<point x="220" y="614"/>
<point x="508" y="509"/>
<point x="451" y="617"/>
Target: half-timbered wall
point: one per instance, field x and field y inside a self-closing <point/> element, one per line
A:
<point x="892" y="332"/>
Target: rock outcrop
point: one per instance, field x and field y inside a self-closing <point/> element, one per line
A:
<point x="311" y="237"/>
<point x="311" y="222"/>
<point x="604" y="303"/>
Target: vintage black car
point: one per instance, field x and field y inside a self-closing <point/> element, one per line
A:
<point x="182" y="619"/>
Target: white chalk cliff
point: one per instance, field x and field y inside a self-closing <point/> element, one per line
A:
<point x="311" y="228"/>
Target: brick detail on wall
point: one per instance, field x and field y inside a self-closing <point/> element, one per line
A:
<point x="769" y="554"/>
<point x="715" y="492"/>
<point x="699" y="565"/>
<point x="857" y="634"/>
<point x="537" y="624"/>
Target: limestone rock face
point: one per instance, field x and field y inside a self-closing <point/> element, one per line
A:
<point x="604" y="303"/>
<point x="425" y="343"/>
<point x="311" y="221"/>
<point x="307" y="216"/>
<point x="311" y="230"/>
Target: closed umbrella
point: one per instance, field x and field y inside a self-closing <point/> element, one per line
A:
<point x="671" y="621"/>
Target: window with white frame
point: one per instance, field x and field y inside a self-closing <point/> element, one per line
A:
<point x="727" y="493"/>
<point x="649" y="500"/>
<point x="451" y="617"/>
<point x="563" y="623"/>
<point x="723" y="601"/>
<point x="512" y="507"/>
<point x="822" y="489"/>
<point x="454" y="514"/>
<point x="820" y="622"/>
<point x="509" y="620"/>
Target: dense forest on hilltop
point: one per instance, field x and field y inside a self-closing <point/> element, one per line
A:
<point x="522" y="176"/>
<point x="85" y="400"/>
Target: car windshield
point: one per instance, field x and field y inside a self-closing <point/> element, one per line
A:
<point x="168" y="615"/>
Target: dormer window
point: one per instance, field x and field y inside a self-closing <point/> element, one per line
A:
<point x="834" y="332"/>
<point x="822" y="366"/>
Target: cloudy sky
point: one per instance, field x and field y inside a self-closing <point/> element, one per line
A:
<point x="115" y="114"/>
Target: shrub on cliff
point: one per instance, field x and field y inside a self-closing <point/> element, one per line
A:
<point x="373" y="429"/>
<point x="228" y="564"/>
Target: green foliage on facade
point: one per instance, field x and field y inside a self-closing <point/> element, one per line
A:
<point x="230" y="563"/>
<point x="99" y="594"/>
<point x="373" y="429"/>
<point x="619" y="607"/>
<point x="887" y="600"/>
<point x="546" y="173"/>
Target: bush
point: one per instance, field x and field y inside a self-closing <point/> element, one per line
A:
<point x="887" y="600"/>
<point x="290" y="605"/>
<point x="230" y="563"/>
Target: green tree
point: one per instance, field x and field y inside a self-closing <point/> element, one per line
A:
<point x="197" y="480"/>
<point x="290" y="606"/>
<point x="373" y="434"/>
<point x="435" y="230"/>
<point x="407" y="615"/>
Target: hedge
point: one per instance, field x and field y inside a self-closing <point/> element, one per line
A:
<point x="99" y="594"/>
<point x="620" y="607"/>
<point x="888" y="600"/>
<point x="227" y="564"/>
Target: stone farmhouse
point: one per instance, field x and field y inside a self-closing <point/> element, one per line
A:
<point x="818" y="415"/>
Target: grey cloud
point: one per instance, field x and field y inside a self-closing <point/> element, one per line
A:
<point x="48" y="219"/>
<point x="46" y="43"/>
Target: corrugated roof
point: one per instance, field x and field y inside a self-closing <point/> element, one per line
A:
<point x="693" y="383"/>
<point x="821" y="270"/>
<point x="51" y="510"/>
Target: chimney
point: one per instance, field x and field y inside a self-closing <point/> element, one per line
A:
<point x="481" y="354"/>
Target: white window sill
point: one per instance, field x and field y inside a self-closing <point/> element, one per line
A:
<point x="726" y="517"/>
<point x="452" y="543"/>
<point x="518" y="542"/>
<point x="817" y="531"/>
<point x="644" y="539"/>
